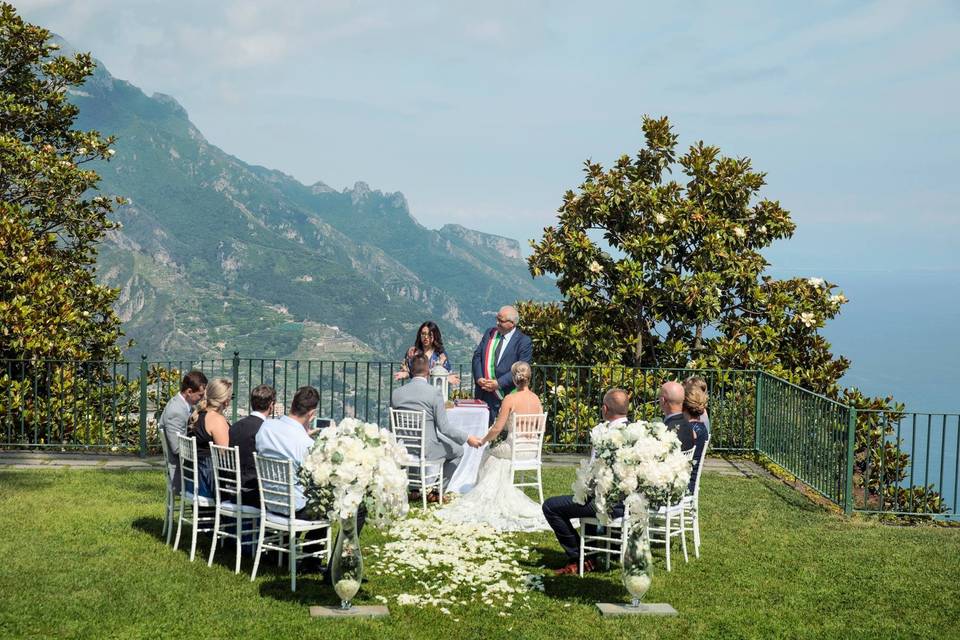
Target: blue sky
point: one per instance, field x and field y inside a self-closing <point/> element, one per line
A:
<point x="482" y="113"/>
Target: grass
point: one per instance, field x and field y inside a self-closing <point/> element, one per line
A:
<point x="83" y="558"/>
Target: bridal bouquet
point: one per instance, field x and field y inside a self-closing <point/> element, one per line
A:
<point x="632" y="460"/>
<point x="352" y="464"/>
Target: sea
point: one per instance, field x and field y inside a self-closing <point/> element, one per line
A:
<point x="901" y="331"/>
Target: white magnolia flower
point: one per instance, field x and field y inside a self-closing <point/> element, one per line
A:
<point x="807" y="318"/>
<point x="762" y="228"/>
<point x="739" y="232"/>
<point x="838" y="299"/>
<point x="817" y="282"/>
<point x="595" y="267"/>
<point x="659" y="218"/>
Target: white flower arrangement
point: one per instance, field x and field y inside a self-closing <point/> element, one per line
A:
<point x="630" y="461"/>
<point x="352" y="464"/>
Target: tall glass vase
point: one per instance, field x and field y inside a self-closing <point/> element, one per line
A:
<point x="346" y="567"/>
<point x="637" y="561"/>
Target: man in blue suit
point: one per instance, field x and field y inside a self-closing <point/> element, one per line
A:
<point x="499" y="348"/>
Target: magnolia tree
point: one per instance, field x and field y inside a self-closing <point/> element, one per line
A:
<point x="52" y="310"/>
<point x="51" y="216"/>
<point x="656" y="272"/>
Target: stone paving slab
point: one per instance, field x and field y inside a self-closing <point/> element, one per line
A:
<point x="356" y="611"/>
<point x="613" y="610"/>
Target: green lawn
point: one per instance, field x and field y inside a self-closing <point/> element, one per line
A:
<point x="82" y="557"/>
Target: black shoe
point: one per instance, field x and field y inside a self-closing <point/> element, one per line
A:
<point x="310" y="565"/>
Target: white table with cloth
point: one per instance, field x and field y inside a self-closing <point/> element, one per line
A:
<point x="475" y="421"/>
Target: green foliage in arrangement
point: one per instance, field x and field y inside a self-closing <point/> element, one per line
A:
<point x="668" y="273"/>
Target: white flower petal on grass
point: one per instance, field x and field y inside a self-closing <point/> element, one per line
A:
<point x="454" y="563"/>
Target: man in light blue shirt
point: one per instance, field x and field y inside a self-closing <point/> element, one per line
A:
<point x="288" y="436"/>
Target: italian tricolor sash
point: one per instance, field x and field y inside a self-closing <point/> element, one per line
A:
<point x="490" y="358"/>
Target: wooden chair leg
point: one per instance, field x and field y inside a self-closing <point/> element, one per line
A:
<point x="239" y="532"/>
<point x="193" y="527"/>
<point x="213" y="541"/>
<point x="292" y="552"/>
<point x="683" y="538"/>
<point x="440" y="491"/>
<point x="256" y="560"/>
<point x="581" y="550"/>
<point x="176" y="542"/>
<point x="540" y="485"/>
<point x="666" y="539"/>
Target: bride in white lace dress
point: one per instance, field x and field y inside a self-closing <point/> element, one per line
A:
<point x="494" y="500"/>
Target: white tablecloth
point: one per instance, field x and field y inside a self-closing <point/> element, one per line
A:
<point x="473" y="420"/>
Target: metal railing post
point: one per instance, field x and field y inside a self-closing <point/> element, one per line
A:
<point x="236" y="385"/>
<point x="143" y="406"/>
<point x="758" y="407"/>
<point x="851" y="442"/>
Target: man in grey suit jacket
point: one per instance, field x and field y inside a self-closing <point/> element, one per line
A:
<point x="441" y="439"/>
<point x="174" y="418"/>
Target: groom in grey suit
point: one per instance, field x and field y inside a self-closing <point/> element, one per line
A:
<point x="441" y="439"/>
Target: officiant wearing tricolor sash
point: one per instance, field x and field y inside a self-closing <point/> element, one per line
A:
<point x="499" y="348"/>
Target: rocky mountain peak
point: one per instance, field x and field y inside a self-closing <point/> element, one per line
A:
<point x="171" y="103"/>
<point x="321" y="187"/>
<point x="507" y="247"/>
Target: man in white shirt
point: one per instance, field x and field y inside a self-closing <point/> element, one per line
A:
<point x="560" y="510"/>
<point x="288" y="437"/>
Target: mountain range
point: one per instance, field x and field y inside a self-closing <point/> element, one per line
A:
<point x="216" y="255"/>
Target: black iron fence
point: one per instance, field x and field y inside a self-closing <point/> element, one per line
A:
<point x="114" y="406"/>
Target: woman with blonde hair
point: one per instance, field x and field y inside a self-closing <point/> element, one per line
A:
<point x="694" y="408"/>
<point x="208" y="423"/>
<point x="699" y="383"/>
<point x="494" y="500"/>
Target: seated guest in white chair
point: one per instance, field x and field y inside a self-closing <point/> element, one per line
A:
<point x="243" y="435"/>
<point x="696" y="382"/>
<point x="208" y="424"/>
<point x="671" y="403"/>
<point x="441" y="439"/>
<point x="290" y="437"/>
<point x="560" y="510"/>
<point x="174" y="418"/>
<point x="694" y="406"/>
